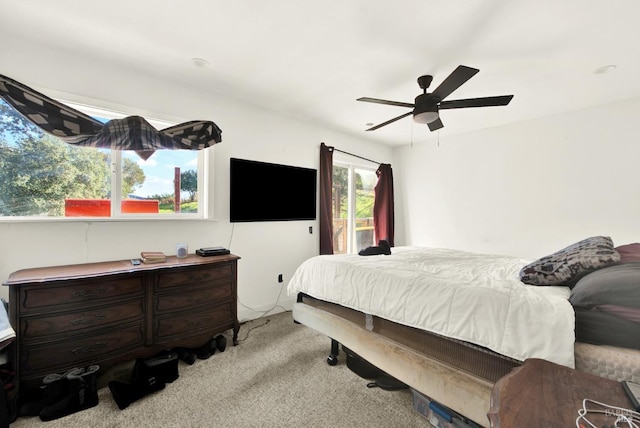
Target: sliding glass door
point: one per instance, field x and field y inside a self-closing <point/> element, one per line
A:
<point x="352" y="199"/>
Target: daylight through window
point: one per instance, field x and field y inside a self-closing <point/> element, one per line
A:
<point x="44" y="177"/>
<point x="353" y="197"/>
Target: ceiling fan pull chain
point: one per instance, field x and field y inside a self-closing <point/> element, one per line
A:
<point x="411" y="134"/>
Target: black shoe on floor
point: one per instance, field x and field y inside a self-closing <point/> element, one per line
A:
<point x="82" y="394"/>
<point x="206" y="350"/>
<point x="187" y="355"/>
<point x="221" y="343"/>
<point x="55" y="388"/>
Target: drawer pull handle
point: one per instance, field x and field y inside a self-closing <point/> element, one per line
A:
<point x="85" y="350"/>
<point x="89" y="293"/>
<point x="199" y="323"/>
<point x="83" y="320"/>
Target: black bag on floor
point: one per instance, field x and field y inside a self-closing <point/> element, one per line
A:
<point x="149" y="375"/>
<point x="366" y="370"/>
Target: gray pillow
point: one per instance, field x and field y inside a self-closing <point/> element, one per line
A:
<point x="613" y="285"/>
<point x="566" y="266"/>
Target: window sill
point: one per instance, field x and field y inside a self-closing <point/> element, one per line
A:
<point x="102" y="219"/>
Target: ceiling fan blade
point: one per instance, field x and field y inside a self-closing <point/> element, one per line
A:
<point x="436" y="124"/>
<point x="501" y="100"/>
<point x="454" y="81"/>
<point x="391" y="103"/>
<point x="390" y="121"/>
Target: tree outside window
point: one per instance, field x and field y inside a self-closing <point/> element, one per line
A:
<point x="353" y="197"/>
<point x="42" y="176"/>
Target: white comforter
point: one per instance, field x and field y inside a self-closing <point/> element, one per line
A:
<point x="473" y="297"/>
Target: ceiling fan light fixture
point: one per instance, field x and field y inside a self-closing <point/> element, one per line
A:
<point x="426" y="109"/>
<point x="425" y="117"/>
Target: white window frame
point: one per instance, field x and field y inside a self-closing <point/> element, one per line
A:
<point x="204" y="196"/>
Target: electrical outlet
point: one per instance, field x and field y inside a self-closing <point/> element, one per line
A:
<point x="279" y="277"/>
<point x="310" y="229"/>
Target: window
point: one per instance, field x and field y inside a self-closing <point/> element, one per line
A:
<point x="352" y="197"/>
<point x="44" y="177"/>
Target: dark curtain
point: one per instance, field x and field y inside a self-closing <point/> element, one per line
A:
<point x="383" y="218"/>
<point x="326" y="212"/>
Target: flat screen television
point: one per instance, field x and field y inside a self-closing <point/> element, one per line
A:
<point x="261" y="191"/>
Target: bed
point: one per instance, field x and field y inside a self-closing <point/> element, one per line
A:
<point x="450" y="323"/>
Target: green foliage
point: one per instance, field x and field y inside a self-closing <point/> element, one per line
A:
<point x="165" y="199"/>
<point x="185" y="207"/>
<point x="37" y="175"/>
<point x="38" y="171"/>
<point x="167" y="204"/>
<point x="189" y="183"/>
<point x="189" y="207"/>
<point x="13" y="125"/>
<point x="364" y="203"/>
<point x="132" y="176"/>
<point x="364" y="193"/>
<point x="341" y="189"/>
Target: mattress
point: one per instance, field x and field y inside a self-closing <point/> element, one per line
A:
<point x="608" y="361"/>
<point x="471" y="297"/>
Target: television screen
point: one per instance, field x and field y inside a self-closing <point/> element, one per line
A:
<point x="261" y="191"/>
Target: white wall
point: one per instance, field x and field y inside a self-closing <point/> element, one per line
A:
<point x="526" y="189"/>
<point x="266" y="249"/>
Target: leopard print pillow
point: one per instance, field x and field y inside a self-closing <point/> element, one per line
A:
<point x="567" y="266"/>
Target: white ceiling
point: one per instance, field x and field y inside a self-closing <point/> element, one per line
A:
<point x="313" y="58"/>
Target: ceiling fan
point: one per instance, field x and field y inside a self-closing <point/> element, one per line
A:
<point x="427" y="104"/>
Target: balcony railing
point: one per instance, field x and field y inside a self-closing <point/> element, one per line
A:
<point x="364" y="234"/>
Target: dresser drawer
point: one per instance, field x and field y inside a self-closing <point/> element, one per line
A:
<point x="105" y="313"/>
<point x="195" y="275"/>
<point x="74" y="352"/>
<point x="187" y="323"/>
<point x="210" y="296"/>
<point x="81" y="292"/>
<point x="80" y="321"/>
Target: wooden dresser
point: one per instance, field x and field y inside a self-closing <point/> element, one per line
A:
<point x="110" y="312"/>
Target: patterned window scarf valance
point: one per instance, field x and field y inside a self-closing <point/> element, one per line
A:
<point x="129" y="133"/>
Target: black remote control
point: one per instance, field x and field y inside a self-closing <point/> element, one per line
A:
<point x="633" y="392"/>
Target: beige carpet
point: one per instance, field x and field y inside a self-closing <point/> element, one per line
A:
<point x="276" y="377"/>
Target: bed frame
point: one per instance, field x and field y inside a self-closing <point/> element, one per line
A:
<point x="454" y="373"/>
